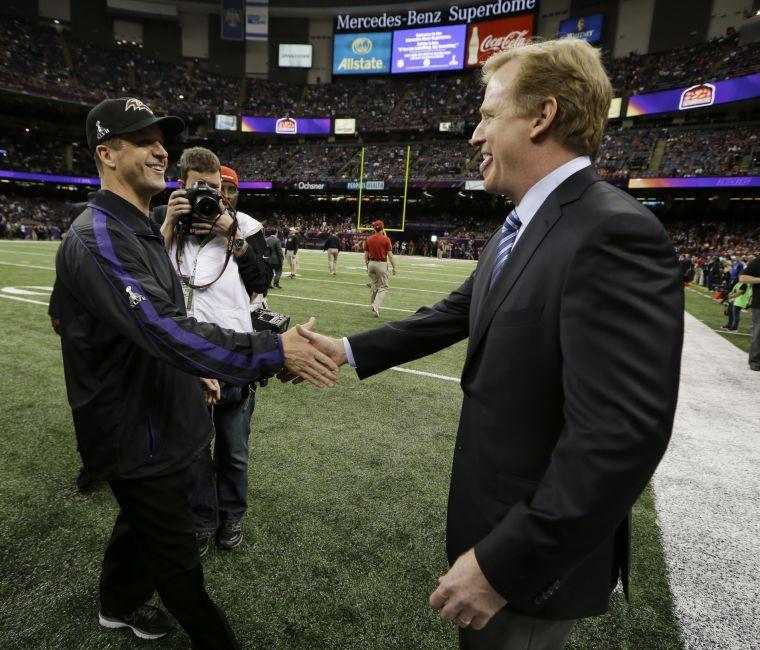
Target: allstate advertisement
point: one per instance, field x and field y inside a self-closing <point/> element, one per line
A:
<point x="368" y="53"/>
<point x="586" y="28"/>
<point x="285" y="125"/>
<point x="429" y="49"/>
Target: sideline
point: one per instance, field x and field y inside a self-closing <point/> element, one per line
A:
<point x="706" y="491"/>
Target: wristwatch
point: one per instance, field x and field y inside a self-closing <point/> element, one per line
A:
<point x="238" y="245"/>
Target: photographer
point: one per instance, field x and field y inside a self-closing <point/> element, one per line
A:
<point x="132" y="360"/>
<point x="216" y="291"/>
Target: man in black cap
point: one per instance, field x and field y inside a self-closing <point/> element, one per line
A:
<point x="132" y="358"/>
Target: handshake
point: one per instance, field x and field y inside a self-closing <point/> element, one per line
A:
<point x="311" y="357"/>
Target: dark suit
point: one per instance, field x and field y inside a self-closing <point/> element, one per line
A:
<point x="570" y="387"/>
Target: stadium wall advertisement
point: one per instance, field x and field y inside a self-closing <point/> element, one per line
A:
<point x="368" y="53"/>
<point x="286" y="125"/>
<point x="430" y="18"/>
<point x="429" y="49"/>
<point x="698" y="96"/>
<point x="488" y="38"/>
<point x="694" y="182"/>
<point x="586" y="28"/>
<point x="83" y="180"/>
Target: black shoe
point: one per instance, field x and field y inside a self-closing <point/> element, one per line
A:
<point x="277" y="286"/>
<point x="756" y="368"/>
<point x="230" y="535"/>
<point x="147" y="622"/>
<point x="85" y="482"/>
<point x="203" y="540"/>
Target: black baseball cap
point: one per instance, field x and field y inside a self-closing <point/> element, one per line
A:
<point x="115" y="117"/>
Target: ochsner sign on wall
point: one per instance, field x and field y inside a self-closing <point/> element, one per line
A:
<point x="488" y="38"/>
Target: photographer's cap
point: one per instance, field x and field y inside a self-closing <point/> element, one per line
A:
<point x="377" y="224"/>
<point x="114" y="117"/>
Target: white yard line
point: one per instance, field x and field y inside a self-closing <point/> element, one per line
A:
<point x="426" y="374"/>
<point x="274" y="298"/>
<point x="50" y="255"/>
<point x="29" y="266"/>
<point x="707" y="489"/>
<point x="360" y="284"/>
<point x="34" y="302"/>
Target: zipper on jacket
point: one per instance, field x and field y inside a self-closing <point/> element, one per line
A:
<point x="151" y="438"/>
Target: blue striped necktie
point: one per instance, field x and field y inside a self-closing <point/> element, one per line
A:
<point x="506" y="242"/>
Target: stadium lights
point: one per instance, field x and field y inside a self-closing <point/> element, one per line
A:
<point x="56" y="21"/>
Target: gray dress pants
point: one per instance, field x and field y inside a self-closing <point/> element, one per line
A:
<point x="509" y="630"/>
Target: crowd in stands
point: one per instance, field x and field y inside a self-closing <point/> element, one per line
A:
<point x="22" y="217"/>
<point x="68" y="68"/>
<point x="625" y="152"/>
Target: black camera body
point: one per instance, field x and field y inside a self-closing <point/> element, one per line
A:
<point x="204" y="201"/>
<point x="263" y="319"/>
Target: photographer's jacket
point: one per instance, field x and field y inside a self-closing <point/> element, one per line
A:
<point x="131" y="355"/>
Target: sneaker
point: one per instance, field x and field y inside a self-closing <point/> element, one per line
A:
<point x="230" y="535"/>
<point x="147" y="622"/>
<point x="203" y="540"/>
<point x="375" y="311"/>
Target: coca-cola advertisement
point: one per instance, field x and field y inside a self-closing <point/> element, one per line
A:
<point x="485" y="39"/>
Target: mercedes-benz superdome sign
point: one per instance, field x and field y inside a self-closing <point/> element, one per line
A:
<point x="414" y="18"/>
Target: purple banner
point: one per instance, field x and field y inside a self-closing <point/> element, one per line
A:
<point x="49" y="178"/>
<point x="286" y="125"/>
<point x="699" y="96"/>
<point x="428" y="49"/>
<point x="703" y="181"/>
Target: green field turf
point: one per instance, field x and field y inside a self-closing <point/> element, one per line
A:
<point x="345" y="534"/>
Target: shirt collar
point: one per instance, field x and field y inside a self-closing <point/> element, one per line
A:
<point x="122" y="210"/>
<point x="534" y="198"/>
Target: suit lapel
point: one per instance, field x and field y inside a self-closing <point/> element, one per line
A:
<point x="486" y="301"/>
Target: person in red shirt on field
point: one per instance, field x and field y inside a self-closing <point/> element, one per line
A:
<point x="378" y="251"/>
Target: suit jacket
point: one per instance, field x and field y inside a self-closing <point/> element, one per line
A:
<point x="570" y="386"/>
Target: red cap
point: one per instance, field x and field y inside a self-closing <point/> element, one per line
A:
<point x="229" y="175"/>
<point x="378" y="224"/>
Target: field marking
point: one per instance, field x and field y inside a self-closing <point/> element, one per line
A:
<point x="339" y="302"/>
<point x="29" y="266"/>
<point x="401" y="275"/>
<point x="34" y="302"/>
<point x="48" y="255"/>
<point x="706" y="491"/>
<point x="24" y="291"/>
<point x="425" y="374"/>
<point x="359" y="284"/>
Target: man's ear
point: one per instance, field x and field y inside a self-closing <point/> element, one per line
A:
<point x="105" y="154"/>
<point x="544" y="117"/>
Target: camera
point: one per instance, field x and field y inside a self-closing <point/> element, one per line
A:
<point x="205" y="203"/>
<point x="263" y="319"/>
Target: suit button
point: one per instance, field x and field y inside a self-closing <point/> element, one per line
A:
<point x="459" y="447"/>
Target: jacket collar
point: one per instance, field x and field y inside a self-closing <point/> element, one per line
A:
<point x="486" y="301"/>
<point x="122" y="211"/>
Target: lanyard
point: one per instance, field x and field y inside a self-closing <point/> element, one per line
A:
<point x="188" y="288"/>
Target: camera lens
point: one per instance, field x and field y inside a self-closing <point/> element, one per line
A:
<point x="206" y="208"/>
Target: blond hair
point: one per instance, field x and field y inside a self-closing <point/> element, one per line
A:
<point x="198" y="159"/>
<point x="571" y="71"/>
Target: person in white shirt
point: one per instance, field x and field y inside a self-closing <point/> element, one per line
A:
<point x="210" y="262"/>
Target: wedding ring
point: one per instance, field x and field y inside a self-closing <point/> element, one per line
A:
<point x="462" y="623"/>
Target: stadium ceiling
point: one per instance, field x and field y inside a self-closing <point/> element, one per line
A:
<point x="310" y="8"/>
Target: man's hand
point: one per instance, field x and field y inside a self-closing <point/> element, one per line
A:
<point x="333" y="348"/>
<point x="305" y="361"/>
<point x="178" y="205"/>
<point x="212" y="392"/>
<point x="220" y="227"/>
<point x="465" y="595"/>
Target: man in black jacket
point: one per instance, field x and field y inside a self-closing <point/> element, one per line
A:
<point x="574" y="317"/>
<point x="332" y="246"/>
<point x="132" y="358"/>
<point x="275" y="258"/>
